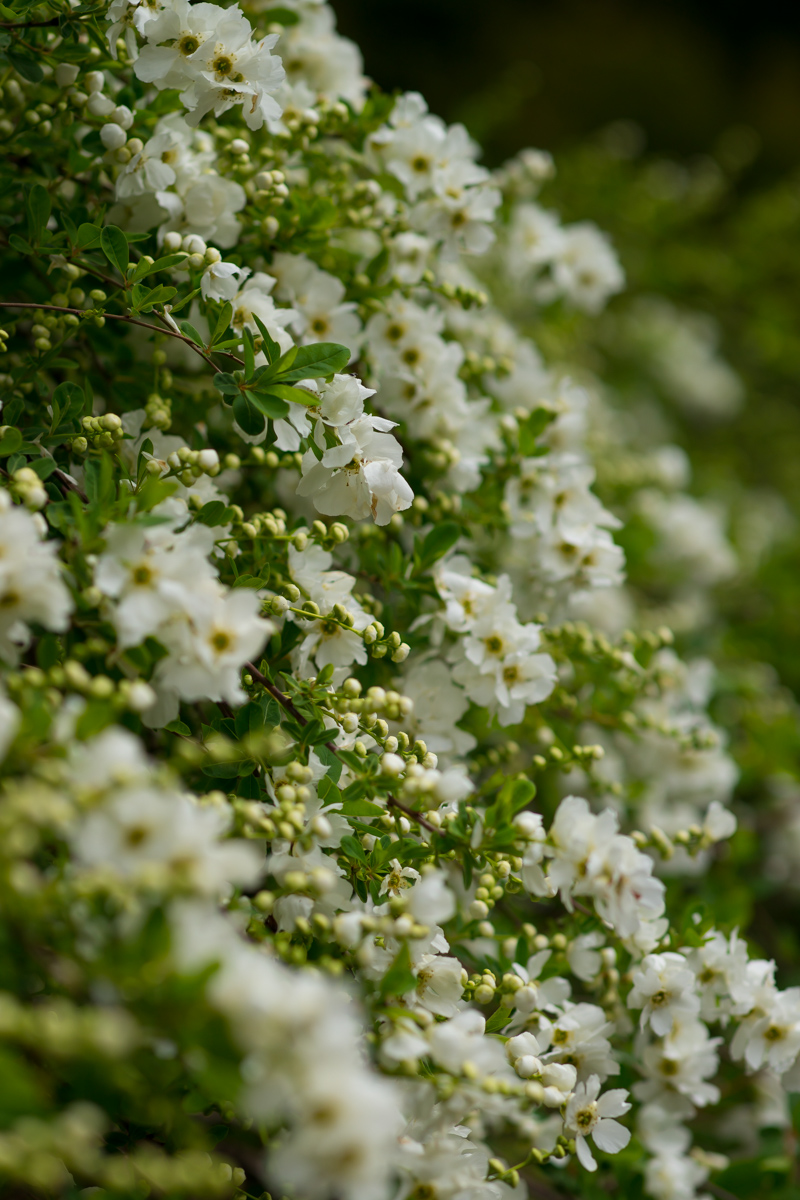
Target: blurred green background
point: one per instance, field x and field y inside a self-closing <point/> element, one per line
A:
<point x="547" y="72"/>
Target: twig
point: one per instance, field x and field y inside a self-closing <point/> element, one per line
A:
<point x="290" y="708"/>
<point x="67" y="483"/>
<point x="30" y="24"/>
<point x="283" y="700"/>
<point x="79" y="312"/>
<point x="409" y="812"/>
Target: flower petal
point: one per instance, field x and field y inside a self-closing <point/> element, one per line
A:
<point x="610" y="1136"/>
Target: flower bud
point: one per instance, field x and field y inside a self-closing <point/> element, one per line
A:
<point x="99" y="105"/>
<point x="392" y="765"/>
<point x="112" y="136"/>
<point x="66" y="74"/>
<point x="122" y="116"/>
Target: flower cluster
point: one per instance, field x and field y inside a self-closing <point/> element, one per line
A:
<point x="358" y="812"/>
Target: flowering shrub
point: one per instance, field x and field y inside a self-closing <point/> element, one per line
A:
<point x="361" y="827"/>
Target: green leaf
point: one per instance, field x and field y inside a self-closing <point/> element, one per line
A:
<point x="328" y="792"/>
<point x="331" y="761"/>
<point x="38" y="210"/>
<point x="19" y="244"/>
<point x="88" y="236"/>
<point x="517" y="794"/>
<point x="68" y="401"/>
<point x="96" y="715"/>
<point x="440" y="539"/>
<point x="248" y="417"/>
<point x="190" y="332"/>
<point x="249" y="719"/>
<point x="283" y="391"/>
<point x="251" y="581"/>
<point x="48" y="651"/>
<point x="249" y="353"/>
<point x="178" y="727"/>
<point x="114" y="245"/>
<point x="271" y="348"/>
<point x="399" y="979"/>
<point x="157" y="295"/>
<point x="28" y="68"/>
<point x="266" y="403"/>
<point x="215" y="512"/>
<point x="177" y="307"/>
<point x="226" y="384"/>
<point x="223" y="321"/>
<point x="281" y="16"/>
<point x="352" y="847"/>
<point x="498" y="1019"/>
<point x="362" y="808"/>
<point x="316" y="361"/>
<point x="10" y="442"/>
<point x="532" y="428"/>
<point x="161" y="264"/>
<point x="43" y="467"/>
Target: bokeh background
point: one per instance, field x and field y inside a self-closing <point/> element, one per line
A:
<point x="550" y="72"/>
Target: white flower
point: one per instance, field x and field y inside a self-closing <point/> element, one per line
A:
<point x="228" y="68"/>
<point x="151" y="575"/>
<point x="32" y="589"/>
<point x="439" y="984"/>
<point x="586" y="269"/>
<point x="183" y="27"/>
<point x="591" y="1115"/>
<point x="773" y="1039"/>
<point x="208" y="649"/>
<point x="579" y="1036"/>
<point x="534" y="238"/>
<point x="719" y="823"/>
<point x="361" y="476"/>
<point x="583" y="955"/>
<point x="342" y="400"/>
<point x="140" y="829"/>
<point x="398" y="879"/>
<point x="221" y="280"/>
<point x="664" y="990"/>
<point x="9" y="723"/>
<point x="254" y="299"/>
<point x="681" y="1064"/>
<point x="318" y="297"/>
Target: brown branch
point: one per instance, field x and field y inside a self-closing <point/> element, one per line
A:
<point x="68" y="485"/>
<point x="283" y="700"/>
<point x="30" y="24"/>
<point x="298" y="716"/>
<point x="409" y="812"/>
<point x="79" y="312"/>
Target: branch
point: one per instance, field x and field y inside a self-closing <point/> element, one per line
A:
<point x="290" y="708"/>
<point x="414" y="816"/>
<point x="79" y="312"/>
<point x="30" y="24"/>
<point x="68" y="485"/>
<point x="283" y="700"/>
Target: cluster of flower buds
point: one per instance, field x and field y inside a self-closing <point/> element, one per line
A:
<point x="27" y="485"/>
<point x="189" y="465"/>
<point x="158" y="412"/>
<point x="198" y="254"/>
<point x="271" y="188"/>
<point x="101" y="433"/>
<point x="380" y="645"/>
